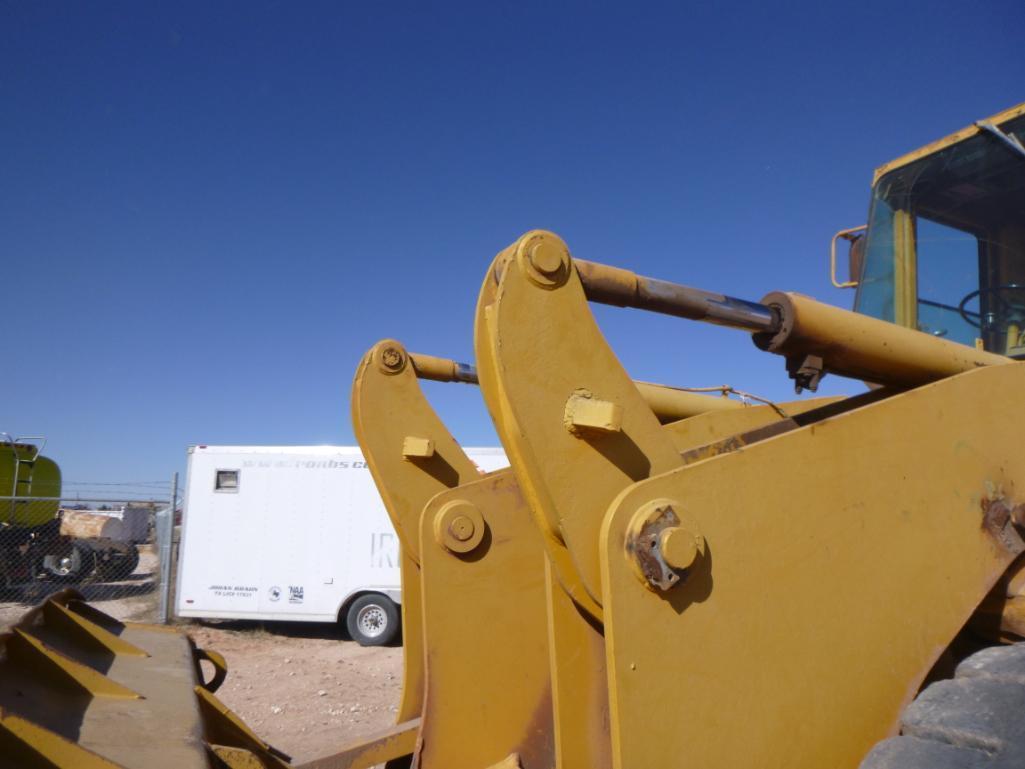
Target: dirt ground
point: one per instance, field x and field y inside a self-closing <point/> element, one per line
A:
<point x="304" y="688"/>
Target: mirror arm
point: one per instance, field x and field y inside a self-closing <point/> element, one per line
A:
<point x="850" y="235"/>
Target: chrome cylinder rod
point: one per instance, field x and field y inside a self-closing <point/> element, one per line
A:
<point x="612" y="285"/>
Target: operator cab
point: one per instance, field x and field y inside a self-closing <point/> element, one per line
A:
<point x="944" y="251"/>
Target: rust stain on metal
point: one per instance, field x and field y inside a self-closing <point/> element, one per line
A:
<point x="644" y="546"/>
<point x="537" y="749"/>
<point x="1000" y="520"/>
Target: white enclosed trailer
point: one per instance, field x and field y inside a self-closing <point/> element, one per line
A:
<point x="291" y="533"/>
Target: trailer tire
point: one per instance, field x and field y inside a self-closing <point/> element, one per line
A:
<point x="975" y="720"/>
<point x="114" y="566"/>
<point x="372" y="620"/>
<point x="74" y="567"/>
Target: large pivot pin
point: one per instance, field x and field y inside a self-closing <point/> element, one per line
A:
<point x="459" y="526"/>
<point x="662" y="545"/>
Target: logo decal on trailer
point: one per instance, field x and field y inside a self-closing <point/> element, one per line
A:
<point x="383" y="550"/>
<point x="295" y="593"/>
<point x="274" y="593"/>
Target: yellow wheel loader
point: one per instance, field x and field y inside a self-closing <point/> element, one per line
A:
<point x="760" y="586"/>
<point x="667" y="579"/>
<point x="776" y="597"/>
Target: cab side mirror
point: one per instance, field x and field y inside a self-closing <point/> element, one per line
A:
<point x="855" y="236"/>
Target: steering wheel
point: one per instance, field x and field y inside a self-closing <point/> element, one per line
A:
<point x="997" y="292"/>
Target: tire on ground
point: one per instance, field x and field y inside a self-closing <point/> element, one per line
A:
<point x="372" y="620"/>
<point x="74" y="567"/>
<point x="113" y="565"/>
<point x="974" y="721"/>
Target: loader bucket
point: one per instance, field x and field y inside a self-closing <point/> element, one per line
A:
<point x="80" y="690"/>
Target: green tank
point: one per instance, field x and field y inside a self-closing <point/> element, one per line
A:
<point x="24" y="472"/>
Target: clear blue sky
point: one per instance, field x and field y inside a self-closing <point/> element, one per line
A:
<point x="208" y="211"/>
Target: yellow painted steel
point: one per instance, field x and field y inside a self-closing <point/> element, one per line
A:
<point x="482" y="589"/>
<point x="575" y="467"/>
<point x="954" y="138"/>
<point x="26" y="744"/>
<point x="867" y="348"/>
<point x="575" y="639"/>
<point x="441" y="369"/>
<point x="668" y="403"/>
<point x="80" y="690"/>
<point x="26" y="650"/>
<point x="480" y="566"/>
<point x="533" y="430"/>
<point x="388" y="407"/>
<point x="395" y="742"/>
<point x="905" y="270"/>
<point x="223" y="728"/>
<point x="87" y="632"/>
<point x="673" y="403"/>
<point x="791" y="505"/>
<point x="488" y="690"/>
<point x="689" y="435"/>
<point x="494" y="398"/>
<point x="580" y="697"/>
<point x="835" y="576"/>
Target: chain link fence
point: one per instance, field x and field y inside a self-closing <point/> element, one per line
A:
<point x="116" y="553"/>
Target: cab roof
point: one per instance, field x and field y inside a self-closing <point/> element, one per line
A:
<point x="954" y="138"/>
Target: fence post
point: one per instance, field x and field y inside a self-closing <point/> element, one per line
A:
<point x="165" y="533"/>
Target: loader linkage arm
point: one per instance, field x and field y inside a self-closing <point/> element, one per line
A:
<point x="753" y="580"/>
<point x="472" y="564"/>
<point x="471" y="550"/>
<point x="656" y="561"/>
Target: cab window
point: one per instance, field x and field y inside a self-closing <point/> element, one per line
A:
<point x="946" y="243"/>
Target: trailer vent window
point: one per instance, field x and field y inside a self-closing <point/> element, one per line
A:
<point x="227" y="480"/>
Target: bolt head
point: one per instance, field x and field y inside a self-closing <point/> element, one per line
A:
<point x="546" y="257"/>
<point x="391" y="357"/>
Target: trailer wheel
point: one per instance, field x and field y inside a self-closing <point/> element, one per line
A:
<point x="114" y="565"/>
<point x="74" y="566"/>
<point x="973" y="721"/>
<point x="372" y="620"/>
